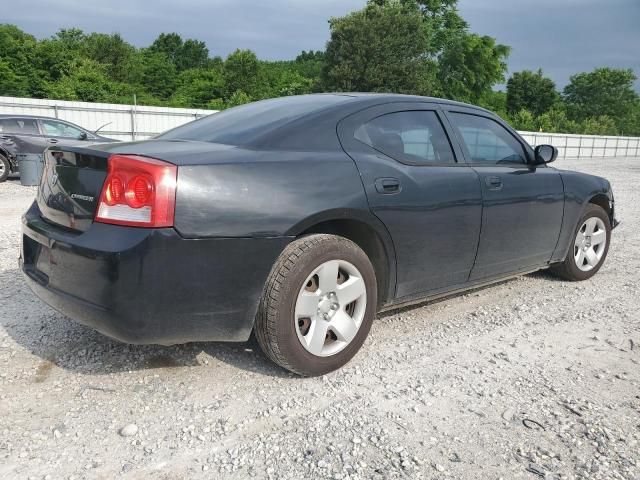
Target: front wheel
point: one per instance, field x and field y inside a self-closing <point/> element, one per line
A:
<point x="318" y="305"/>
<point x="589" y="248"/>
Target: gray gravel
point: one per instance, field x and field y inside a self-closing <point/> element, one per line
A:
<point x="533" y="378"/>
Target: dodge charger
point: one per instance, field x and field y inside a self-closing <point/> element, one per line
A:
<point x="298" y="219"/>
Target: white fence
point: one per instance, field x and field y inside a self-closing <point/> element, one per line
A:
<point x="125" y="122"/>
<point x="130" y="122"/>
<point x="586" y="146"/>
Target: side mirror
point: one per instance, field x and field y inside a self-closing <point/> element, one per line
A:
<point x="545" y="154"/>
<point x="83" y="136"/>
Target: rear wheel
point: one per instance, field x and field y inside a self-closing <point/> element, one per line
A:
<point x="318" y="306"/>
<point x="5" y="168"/>
<point x="589" y="247"/>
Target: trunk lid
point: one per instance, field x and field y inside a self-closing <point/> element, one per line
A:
<point x="70" y="186"/>
<point x="74" y="175"/>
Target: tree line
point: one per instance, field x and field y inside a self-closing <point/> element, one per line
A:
<point x="421" y="47"/>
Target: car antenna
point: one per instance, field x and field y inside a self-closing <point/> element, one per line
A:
<point x="108" y="123"/>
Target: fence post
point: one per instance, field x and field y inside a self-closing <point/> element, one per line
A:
<point x="133" y="124"/>
<point x="579" y="146"/>
<point x="55" y="111"/>
<point x="626" y="150"/>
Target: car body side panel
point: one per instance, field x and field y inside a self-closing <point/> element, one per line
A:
<point x="268" y="197"/>
<point x="521" y="222"/>
<point x="434" y="218"/>
<point x="579" y="189"/>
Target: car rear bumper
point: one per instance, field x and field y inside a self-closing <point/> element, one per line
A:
<point x="148" y="285"/>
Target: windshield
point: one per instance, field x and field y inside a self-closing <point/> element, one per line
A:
<point x="241" y="125"/>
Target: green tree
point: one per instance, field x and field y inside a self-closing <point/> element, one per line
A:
<point x="169" y="44"/>
<point x="198" y="88"/>
<point x="605" y="91"/>
<point x="241" y="71"/>
<point x="444" y="21"/>
<point x="524" y="120"/>
<point x="159" y="74"/>
<point x="310" y="65"/>
<point x="238" y="98"/>
<point x="121" y="60"/>
<point x="382" y="47"/>
<point x="193" y="54"/>
<point x="183" y="54"/>
<point x="12" y="84"/>
<point x="16" y="61"/>
<point x="494" y="101"/>
<point x="87" y="82"/>
<point x="531" y="91"/>
<point x="470" y="65"/>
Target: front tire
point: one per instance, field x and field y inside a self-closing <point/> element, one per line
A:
<point x="5" y="168"/>
<point x="318" y="305"/>
<point x="589" y="246"/>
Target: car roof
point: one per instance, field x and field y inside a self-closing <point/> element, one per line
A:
<point x="35" y="117"/>
<point x="372" y="97"/>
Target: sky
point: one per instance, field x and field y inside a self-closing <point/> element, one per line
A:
<point x="562" y="37"/>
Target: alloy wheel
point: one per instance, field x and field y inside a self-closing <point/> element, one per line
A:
<point x="590" y="243"/>
<point x="330" y="308"/>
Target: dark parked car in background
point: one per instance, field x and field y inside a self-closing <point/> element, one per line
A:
<point x="299" y="218"/>
<point x="26" y="134"/>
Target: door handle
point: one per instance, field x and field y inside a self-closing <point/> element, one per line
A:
<point x="388" y="186"/>
<point x="493" y="183"/>
<point x="52" y="140"/>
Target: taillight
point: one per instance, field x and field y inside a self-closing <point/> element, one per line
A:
<point x="139" y="192"/>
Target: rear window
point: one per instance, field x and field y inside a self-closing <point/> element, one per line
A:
<point x="241" y="125"/>
<point x="19" y="126"/>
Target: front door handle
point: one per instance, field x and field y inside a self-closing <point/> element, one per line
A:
<point x="388" y="186"/>
<point x="493" y="183"/>
<point x="52" y="140"/>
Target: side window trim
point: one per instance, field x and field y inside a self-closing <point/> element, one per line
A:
<point x="443" y="121"/>
<point x="463" y="145"/>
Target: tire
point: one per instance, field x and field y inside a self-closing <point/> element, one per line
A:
<point x="301" y="297"/>
<point x="579" y="266"/>
<point x="5" y="168"/>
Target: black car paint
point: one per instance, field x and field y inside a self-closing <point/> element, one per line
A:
<point x="149" y="285"/>
<point x="14" y="144"/>
<point x="237" y="207"/>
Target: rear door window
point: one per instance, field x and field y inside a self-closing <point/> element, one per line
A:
<point x="19" y="126"/>
<point x="413" y="137"/>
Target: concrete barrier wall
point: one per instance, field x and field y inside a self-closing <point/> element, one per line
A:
<point x="126" y="122"/>
<point x="130" y="122"/>
<point x="586" y="146"/>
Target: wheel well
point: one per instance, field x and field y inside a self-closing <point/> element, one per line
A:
<point x="368" y="240"/>
<point x="603" y="201"/>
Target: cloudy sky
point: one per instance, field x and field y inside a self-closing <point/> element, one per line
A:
<point x="560" y="36"/>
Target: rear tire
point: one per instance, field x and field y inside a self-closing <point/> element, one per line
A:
<point x="589" y="246"/>
<point x="5" y="168"/>
<point x="318" y="305"/>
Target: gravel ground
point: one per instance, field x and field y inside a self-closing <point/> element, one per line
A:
<point x="532" y="378"/>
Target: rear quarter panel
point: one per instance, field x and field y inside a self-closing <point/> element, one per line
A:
<point x="267" y="194"/>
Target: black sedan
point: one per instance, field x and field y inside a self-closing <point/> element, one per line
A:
<point x="299" y="219"/>
<point x="29" y="134"/>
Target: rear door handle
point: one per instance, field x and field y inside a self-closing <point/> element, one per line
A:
<point x="388" y="186"/>
<point x="493" y="183"/>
